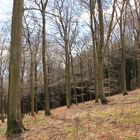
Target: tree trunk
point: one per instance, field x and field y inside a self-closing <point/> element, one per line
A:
<point x="138" y="72"/>
<point x="22" y="85"/>
<point x="32" y="85"/>
<point x="123" y="72"/>
<point x="96" y="78"/>
<point x="67" y="76"/>
<point x="35" y="88"/>
<point x="123" y="68"/>
<point x="122" y="25"/>
<point x="90" y="76"/>
<point x="100" y="79"/>
<point x="45" y="72"/>
<point x="1" y="99"/>
<point x="1" y="88"/>
<point x="81" y="71"/>
<point x="138" y="57"/>
<point x="100" y="54"/>
<point x="95" y="70"/>
<point x="109" y="68"/>
<point x="95" y="44"/>
<point x="74" y="80"/>
<point x="14" y="121"/>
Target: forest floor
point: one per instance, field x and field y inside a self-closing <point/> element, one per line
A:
<point x="119" y="120"/>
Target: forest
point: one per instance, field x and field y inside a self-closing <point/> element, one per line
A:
<point x="70" y="70"/>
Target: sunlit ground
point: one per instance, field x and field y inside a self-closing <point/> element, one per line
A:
<point x="119" y="120"/>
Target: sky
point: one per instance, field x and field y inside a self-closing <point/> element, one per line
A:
<point x="5" y="10"/>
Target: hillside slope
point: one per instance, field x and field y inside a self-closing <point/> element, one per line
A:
<point x="119" y="120"/>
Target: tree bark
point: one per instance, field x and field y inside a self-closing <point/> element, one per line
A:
<point x="67" y="75"/>
<point x="95" y="44"/>
<point x="1" y="87"/>
<point x="138" y="71"/>
<point x="138" y="56"/>
<point x="45" y="72"/>
<point x="14" y="121"/>
<point x="1" y="99"/>
<point x="74" y="80"/>
<point x="32" y="85"/>
<point x="123" y="72"/>
<point x="122" y="25"/>
<point x="100" y="54"/>
<point x="82" y="86"/>
<point x="35" y="87"/>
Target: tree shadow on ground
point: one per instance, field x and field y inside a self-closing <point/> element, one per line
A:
<point x="17" y="137"/>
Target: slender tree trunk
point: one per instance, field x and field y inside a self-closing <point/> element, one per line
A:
<point x="100" y="79"/>
<point x="81" y="71"/>
<point x="32" y="85"/>
<point x="100" y="54"/>
<point x="90" y="76"/>
<point x="138" y="72"/>
<point x="123" y="68"/>
<point x="96" y="78"/>
<point x="35" y="88"/>
<point x="123" y="72"/>
<point x="138" y="57"/>
<point x="95" y="72"/>
<point x="122" y="25"/>
<point x="109" y="69"/>
<point x="74" y="80"/>
<point x="1" y="88"/>
<point x="1" y="99"/>
<point x="14" y="120"/>
<point x="22" y="86"/>
<point x="67" y="76"/>
<point x="45" y="72"/>
<point x="95" y="44"/>
<point x="36" y="73"/>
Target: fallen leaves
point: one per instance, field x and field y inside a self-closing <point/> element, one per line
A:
<point x="119" y="120"/>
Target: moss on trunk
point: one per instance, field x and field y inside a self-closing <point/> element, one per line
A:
<point x="15" y="127"/>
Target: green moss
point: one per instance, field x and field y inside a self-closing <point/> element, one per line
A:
<point x="133" y="138"/>
<point x="2" y="130"/>
<point x="15" y="127"/>
<point x="70" y="130"/>
<point x="40" y="122"/>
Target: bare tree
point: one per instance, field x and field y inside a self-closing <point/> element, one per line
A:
<point x="66" y="22"/>
<point x="122" y="24"/>
<point x="94" y="29"/>
<point x="135" y="17"/>
<point x="100" y="53"/>
<point x="14" y="122"/>
<point x="42" y="5"/>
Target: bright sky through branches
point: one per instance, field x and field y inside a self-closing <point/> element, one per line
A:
<point x="5" y="10"/>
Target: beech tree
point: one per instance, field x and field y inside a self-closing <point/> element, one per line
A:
<point x="66" y="23"/>
<point x="28" y="35"/>
<point x="100" y="53"/>
<point x="14" y="120"/>
<point x="122" y="25"/>
<point x="42" y="5"/>
<point x="94" y="32"/>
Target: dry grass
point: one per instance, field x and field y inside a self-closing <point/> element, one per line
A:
<point x="119" y="120"/>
